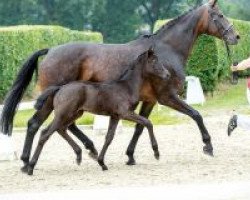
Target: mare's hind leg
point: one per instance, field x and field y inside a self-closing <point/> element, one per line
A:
<point x="179" y="105"/>
<point x="45" y="134"/>
<point x="144" y="122"/>
<point x="85" y="140"/>
<point x="145" y="111"/>
<point x="72" y="143"/>
<point x="113" y="122"/>
<point x="33" y="125"/>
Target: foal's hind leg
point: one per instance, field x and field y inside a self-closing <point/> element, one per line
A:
<point x="85" y="140"/>
<point x="33" y="125"/>
<point x="72" y="143"/>
<point x="113" y="122"/>
<point x="144" y="122"/>
<point x="45" y="134"/>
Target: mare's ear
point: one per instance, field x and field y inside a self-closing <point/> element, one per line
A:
<point x="213" y="2"/>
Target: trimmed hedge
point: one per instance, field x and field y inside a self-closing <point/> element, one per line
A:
<point x="17" y="43"/>
<point x="209" y="60"/>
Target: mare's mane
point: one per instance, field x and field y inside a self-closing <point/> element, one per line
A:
<point x="174" y="21"/>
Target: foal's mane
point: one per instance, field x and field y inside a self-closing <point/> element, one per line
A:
<point x="127" y="71"/>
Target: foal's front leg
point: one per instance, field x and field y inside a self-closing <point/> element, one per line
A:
<point x="113" y="122"/>
<point x="145" y="122"/>
<point x="145" y="111"/>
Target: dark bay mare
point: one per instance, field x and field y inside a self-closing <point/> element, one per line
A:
<point x="100" y="62"/>
<point x="117" y="99"/>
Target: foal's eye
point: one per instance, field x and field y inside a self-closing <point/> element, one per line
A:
<point x="221" y="16"/>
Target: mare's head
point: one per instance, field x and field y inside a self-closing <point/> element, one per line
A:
<point x="152" y="66"/>
<point x="218" y="25"/>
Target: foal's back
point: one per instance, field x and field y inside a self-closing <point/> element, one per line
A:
<point x="98" y="98"/>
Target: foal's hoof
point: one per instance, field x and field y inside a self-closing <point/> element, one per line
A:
<point x="131" y="162"/>
<point x="79" y="160"/>
<point x="24" y="169"/>
<point x="92" y="155"/>
<point x="208" y="151"/>
<point x="157" y="155"/>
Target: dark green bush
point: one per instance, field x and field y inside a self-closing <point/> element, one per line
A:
<point x="209" y="60"/>
<point x="239" y="52"/>
<point x="17" y="43"/>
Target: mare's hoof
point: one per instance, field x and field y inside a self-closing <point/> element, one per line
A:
<point x="104" y="168"/>
<point x="157" y="155"/>
<point x="92" y="155"/>
<point x="131" y="162"/>
<point x="24" y="169"/>
<point x="30" y="171"/>
<point x="208" y="151"/>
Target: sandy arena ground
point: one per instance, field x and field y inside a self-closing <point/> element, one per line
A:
<point x="182" y="161"/>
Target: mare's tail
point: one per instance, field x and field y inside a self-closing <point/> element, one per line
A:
<point x="17" y="90"/>
<point x="51" y="91"/>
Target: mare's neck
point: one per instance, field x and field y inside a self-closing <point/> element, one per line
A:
<point x="183" y="33"/>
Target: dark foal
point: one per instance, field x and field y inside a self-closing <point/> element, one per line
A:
<point x="116" y="99"/>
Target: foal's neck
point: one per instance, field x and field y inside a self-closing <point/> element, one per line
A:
<point x="182" y="32"/>
<point x="134" y="79"/>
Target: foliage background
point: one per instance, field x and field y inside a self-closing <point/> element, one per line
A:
<point x="117" y="20"/>
<point x="18" y="42"/>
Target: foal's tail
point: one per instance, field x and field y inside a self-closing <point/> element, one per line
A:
<point x="51" y="91"/>
<point x="17" y="90"/>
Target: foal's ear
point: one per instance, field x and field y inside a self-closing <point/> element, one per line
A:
<point x="213" y="2"/>
<point x="151" y="52"/>
<point x="151" y="55"/>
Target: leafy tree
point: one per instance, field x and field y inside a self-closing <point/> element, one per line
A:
<point x="116" y="20"/>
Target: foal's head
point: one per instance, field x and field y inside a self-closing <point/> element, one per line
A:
<point x="152" y="66"/>
<point x="218" y="25"/>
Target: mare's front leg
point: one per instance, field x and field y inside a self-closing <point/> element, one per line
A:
<point x="176" y="103"/>
<point x="33" y="125"/>
<point x="145" y="111"/>
<point x="85" y="140"/>
<point x="73" y="144"/>
<point x="113" y="122"/>
<point x="147" y="123"/>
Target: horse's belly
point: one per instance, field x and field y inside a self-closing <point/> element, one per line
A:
<point x="57" y="73"/>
